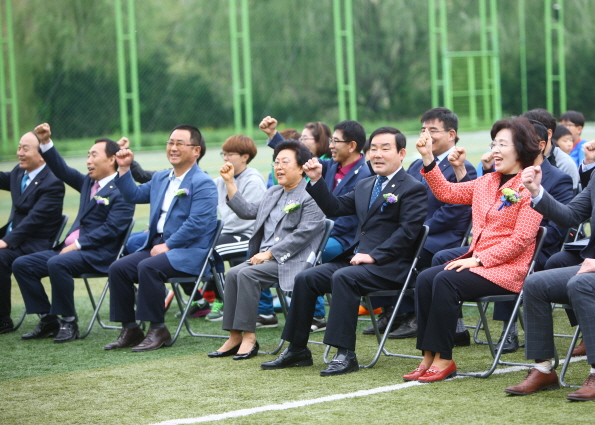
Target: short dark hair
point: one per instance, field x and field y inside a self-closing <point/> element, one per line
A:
<point x="111" y="148"/>
<point x="574" y="117"/>
<point x="526" y="141"/>
<point x="196" y="138"/>
<point x="400" y="140"/>
<point x="449" y="119"/>
<point x="302" y="153"/>
<point x="561" y="131"/>
<point x="321" y="133"/>
<point x="540" y="130"/>
<point x="543" y="116"/>
<point x="240" y="144"/>
<point x="353" y="132"/>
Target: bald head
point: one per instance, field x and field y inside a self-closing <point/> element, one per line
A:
<point x="28" y="152"/>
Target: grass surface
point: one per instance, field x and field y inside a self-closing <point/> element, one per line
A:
<point x="80" y="383"/>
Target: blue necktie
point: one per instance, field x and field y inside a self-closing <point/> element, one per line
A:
<point x="377" y="189"/>
<point x="23" y="186"/>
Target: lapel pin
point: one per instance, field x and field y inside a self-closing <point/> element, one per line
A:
<point x="393" y="185"/>
<point x="111" y="187"/>
<point x="356" y="171"/>
<point x="35" y="182"/>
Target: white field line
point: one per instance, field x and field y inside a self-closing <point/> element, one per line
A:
<point x="335" y="397"/>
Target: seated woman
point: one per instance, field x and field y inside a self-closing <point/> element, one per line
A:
<point x="287" y="233"/>
<point x="504" y="231"/>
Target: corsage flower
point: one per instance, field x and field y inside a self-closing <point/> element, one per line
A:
<point x="389" y="198"/>
<point x="101" y="200"/>
<point x="292" y="206"/>
<point x="509" y="197"/>
<point x="182" y="192"/>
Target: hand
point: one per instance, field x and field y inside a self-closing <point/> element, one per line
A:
<point x="269" y="126"/>
<point x="313" y="169"/>
<point x="531" y="178"/>
<point x="71" y="247"/>
<point x="3" y="245"/>
<point x="487" y="160"/>
<point x="424" y="147"/>
<point x="124" y="158"/>
<point x="159" y="249"/>
<point x="361" y="259"/>
<point x="462" y="264"/>
<point x="589" y="151"/>
<point x="227" y="172"/>
<point x="124" y="143"/>
<point x="457" y="157"/>
<point x="43" y="133"/>
<point x="261" y="257"/>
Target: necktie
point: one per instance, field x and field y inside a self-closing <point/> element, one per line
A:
<point x="24" y="182"/>
<point x="75" y="235"/>
<point x="377" y="189"/>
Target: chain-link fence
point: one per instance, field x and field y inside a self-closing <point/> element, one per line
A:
<point x="67" y="68"/>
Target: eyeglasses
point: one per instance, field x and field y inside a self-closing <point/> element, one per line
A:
<point x="432" y="131"/>
<point x="333" y="141"/>
<point x="280" y="164"/>
<point x="178" y="145"/>
<point x="499" y="145"/>
<point x="303" y="139"/>
<point x="228" y="154"/>
<point x="568" y="124"/>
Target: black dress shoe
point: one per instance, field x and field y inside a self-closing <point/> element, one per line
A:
<point x="462" y="339"/>
<point x="6" y="326"/>
<point x="227" y="353"/>
<point x="129" y="337"/>
<point x="43" y="329"/>
<point x="511" y="343"/>
<point x="252" y="353"/>
<point x="382" y="322"/>
<point x="69" y="331"/>
<point x="341" y="364"/>
<point x="408" y="328"/>
<point x="290" y="359"/>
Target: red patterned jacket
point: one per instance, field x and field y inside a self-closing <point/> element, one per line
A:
<point x="503" y="240"/>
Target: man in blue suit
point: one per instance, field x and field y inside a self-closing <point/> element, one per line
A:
<point x="90" y="246"/>
<point x="183" y="221"/>
<point x="35" y="216"/>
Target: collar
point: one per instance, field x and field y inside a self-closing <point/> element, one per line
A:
<point x="172" y="177"/>
<point x="349" y="166"/>
<point x="389" y="177"/>
<point x="444" y="155"/>
<point x="35" y="172"/>
<point x="106" y="180"/>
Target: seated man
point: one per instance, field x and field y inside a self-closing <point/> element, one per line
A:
<point x="35" y="216"/>
<point x="378" y="259"/>
<point x="183" y="220"/>
<point x="91" y="245"/>
<point x="570" y="285"/>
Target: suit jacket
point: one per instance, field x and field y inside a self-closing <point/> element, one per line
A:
<point x="297" y="235"/>
<point x="448" y="222"/>
<point x="102" y="227"/>
<point x="36" y="214"/>
<point x="345" y="227"/>
<point x="504" y="240"/>
<point x="190" y="222"/>
<point x="575" y="212"/>
<point x="385" y="232"/>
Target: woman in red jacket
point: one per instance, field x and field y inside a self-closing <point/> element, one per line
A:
<point x="504" y="231"/>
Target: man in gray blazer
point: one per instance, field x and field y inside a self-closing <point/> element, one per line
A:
<point x="569" y="285"/>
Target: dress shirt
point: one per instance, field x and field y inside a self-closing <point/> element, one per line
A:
<point x="174" y="184"/>
<point x="32" y="175"/>
<point x="342" y="171"/>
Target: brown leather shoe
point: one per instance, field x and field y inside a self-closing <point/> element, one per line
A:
<point x="534" y="382"/>
<point x="156" y="338"/>
<point x="586" y="392"/>
<point x="129" y="337"/>
<point x="580" y="350"/>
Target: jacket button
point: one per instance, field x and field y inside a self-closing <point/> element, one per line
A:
<point x="276" y="239"/>
<point x="363" y="233"/>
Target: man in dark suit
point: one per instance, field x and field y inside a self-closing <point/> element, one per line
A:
<point x="183" y="222"/>
<point x="569" y="285"/>
<point x="91" y="245"/>
<point x="35" y="216"/>
<point x="391" y="208"/>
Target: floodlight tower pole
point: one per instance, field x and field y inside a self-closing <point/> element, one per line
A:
<point x="8" y="89"/>
<point x="345" y="58"/>
<point x="241" y="91"/>
<point x="523" y="55"/>
<point x="555" y="24"/>
<point x="126" y="39"/>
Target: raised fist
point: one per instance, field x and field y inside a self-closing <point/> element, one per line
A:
<point x="269" y="126"/>
<point x="313" y="169"/>
<point x="43" y="133"/>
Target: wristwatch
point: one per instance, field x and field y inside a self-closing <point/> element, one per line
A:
<point x="478" y="260"/>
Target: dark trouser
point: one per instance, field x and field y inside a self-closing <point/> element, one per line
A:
<point x="7" y="257"/>
<point x="29" y="269"/>
<point x="348" y="284"/>
<point x="565" y="259"/>
<point x="438" y="297"/>
<point x="150" y="273"/>
<point x="562" y="286"/>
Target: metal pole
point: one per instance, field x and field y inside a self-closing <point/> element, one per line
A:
<point x="549" y="80"/>
<point x="121" y="67"/>
<point x="351" y="85"/>
<point x="247" y="69"/>
<point x="561" y="56"/>
<point x="471" y="88"/>
<point x="446" y="61"/>
<point x="497" y="111"/>
<point x="12" y="74"/>
<point x="235" y="67"/>
<point x="485" y="71"/>
<point x="523" y="55"/>
<point x="339" y="60"/>
<point x="3" y="97"/>
<point x="433" y="53"/>
<point x="134" y="90"/>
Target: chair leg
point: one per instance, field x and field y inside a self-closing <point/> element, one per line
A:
<point x="96" y="307"/>
<point x="21" y="320"/>
<point x="567" y="360"/>
<point x="284" y="309"/>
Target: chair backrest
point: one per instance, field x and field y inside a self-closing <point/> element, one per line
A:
<point x="328" y="228"/>
<point x="539" y="239"/>
<point x="418" y="246"/>
<point x="465" y="241"/>
<point x="60" y="230"/>
<point x="125" y="238"/>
